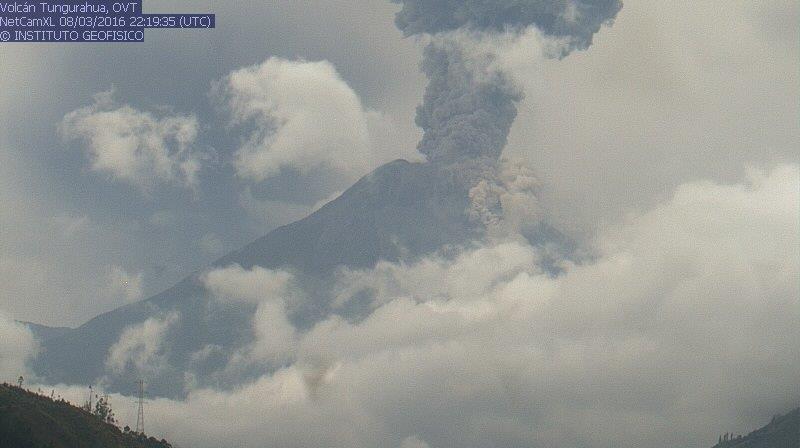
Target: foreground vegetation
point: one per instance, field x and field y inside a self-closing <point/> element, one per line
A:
<point x="782" y="432"/>
<point x="30" y="420"/>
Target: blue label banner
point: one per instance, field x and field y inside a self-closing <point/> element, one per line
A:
<point x="88" y="21"/>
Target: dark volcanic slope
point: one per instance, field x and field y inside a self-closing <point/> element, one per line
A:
<point x="782" y="432"/>
<point x="28" y="420"/>
<point x="401" y="208"/>
<point x="400" y="211"/>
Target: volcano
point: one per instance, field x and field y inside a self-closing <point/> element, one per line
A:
<point x="399" y="212"/>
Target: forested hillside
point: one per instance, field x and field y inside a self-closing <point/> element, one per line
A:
<point x="29" y="420"/>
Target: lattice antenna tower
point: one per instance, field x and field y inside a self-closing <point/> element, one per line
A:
<point x="140" y="414"/>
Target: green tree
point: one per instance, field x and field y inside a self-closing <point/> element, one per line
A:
<point x="103" y="411"/>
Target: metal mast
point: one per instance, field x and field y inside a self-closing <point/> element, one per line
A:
<point x="140" y="416"/>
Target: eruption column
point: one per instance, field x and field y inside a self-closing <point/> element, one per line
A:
<point x="468" y="108"/>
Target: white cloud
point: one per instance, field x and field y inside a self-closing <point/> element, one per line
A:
<point x="234" y="283"/>
<point x="17" y="347"/>
<point x="468" y="275"/>
<point x="305" y="116"/>
<point x="121" y="286"/>
<point x="274" y="336"/>
<point x="686" y="317"/>
<point x="135" y="146"/>
<point x="141" y="346"/>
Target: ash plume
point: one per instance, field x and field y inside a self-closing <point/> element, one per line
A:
<point x="575" y="20"/>
<point x="469" y="106"/>
<point x="468" y="109"/>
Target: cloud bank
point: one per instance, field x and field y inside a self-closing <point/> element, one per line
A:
<point x="686" y="315"/>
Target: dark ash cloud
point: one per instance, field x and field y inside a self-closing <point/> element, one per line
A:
<point x="468" y="107"/>
<point x="468" y="110"/>
<point x="575" y="20"/>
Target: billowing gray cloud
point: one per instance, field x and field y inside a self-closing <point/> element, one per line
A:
<point x="468" y="110"/>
